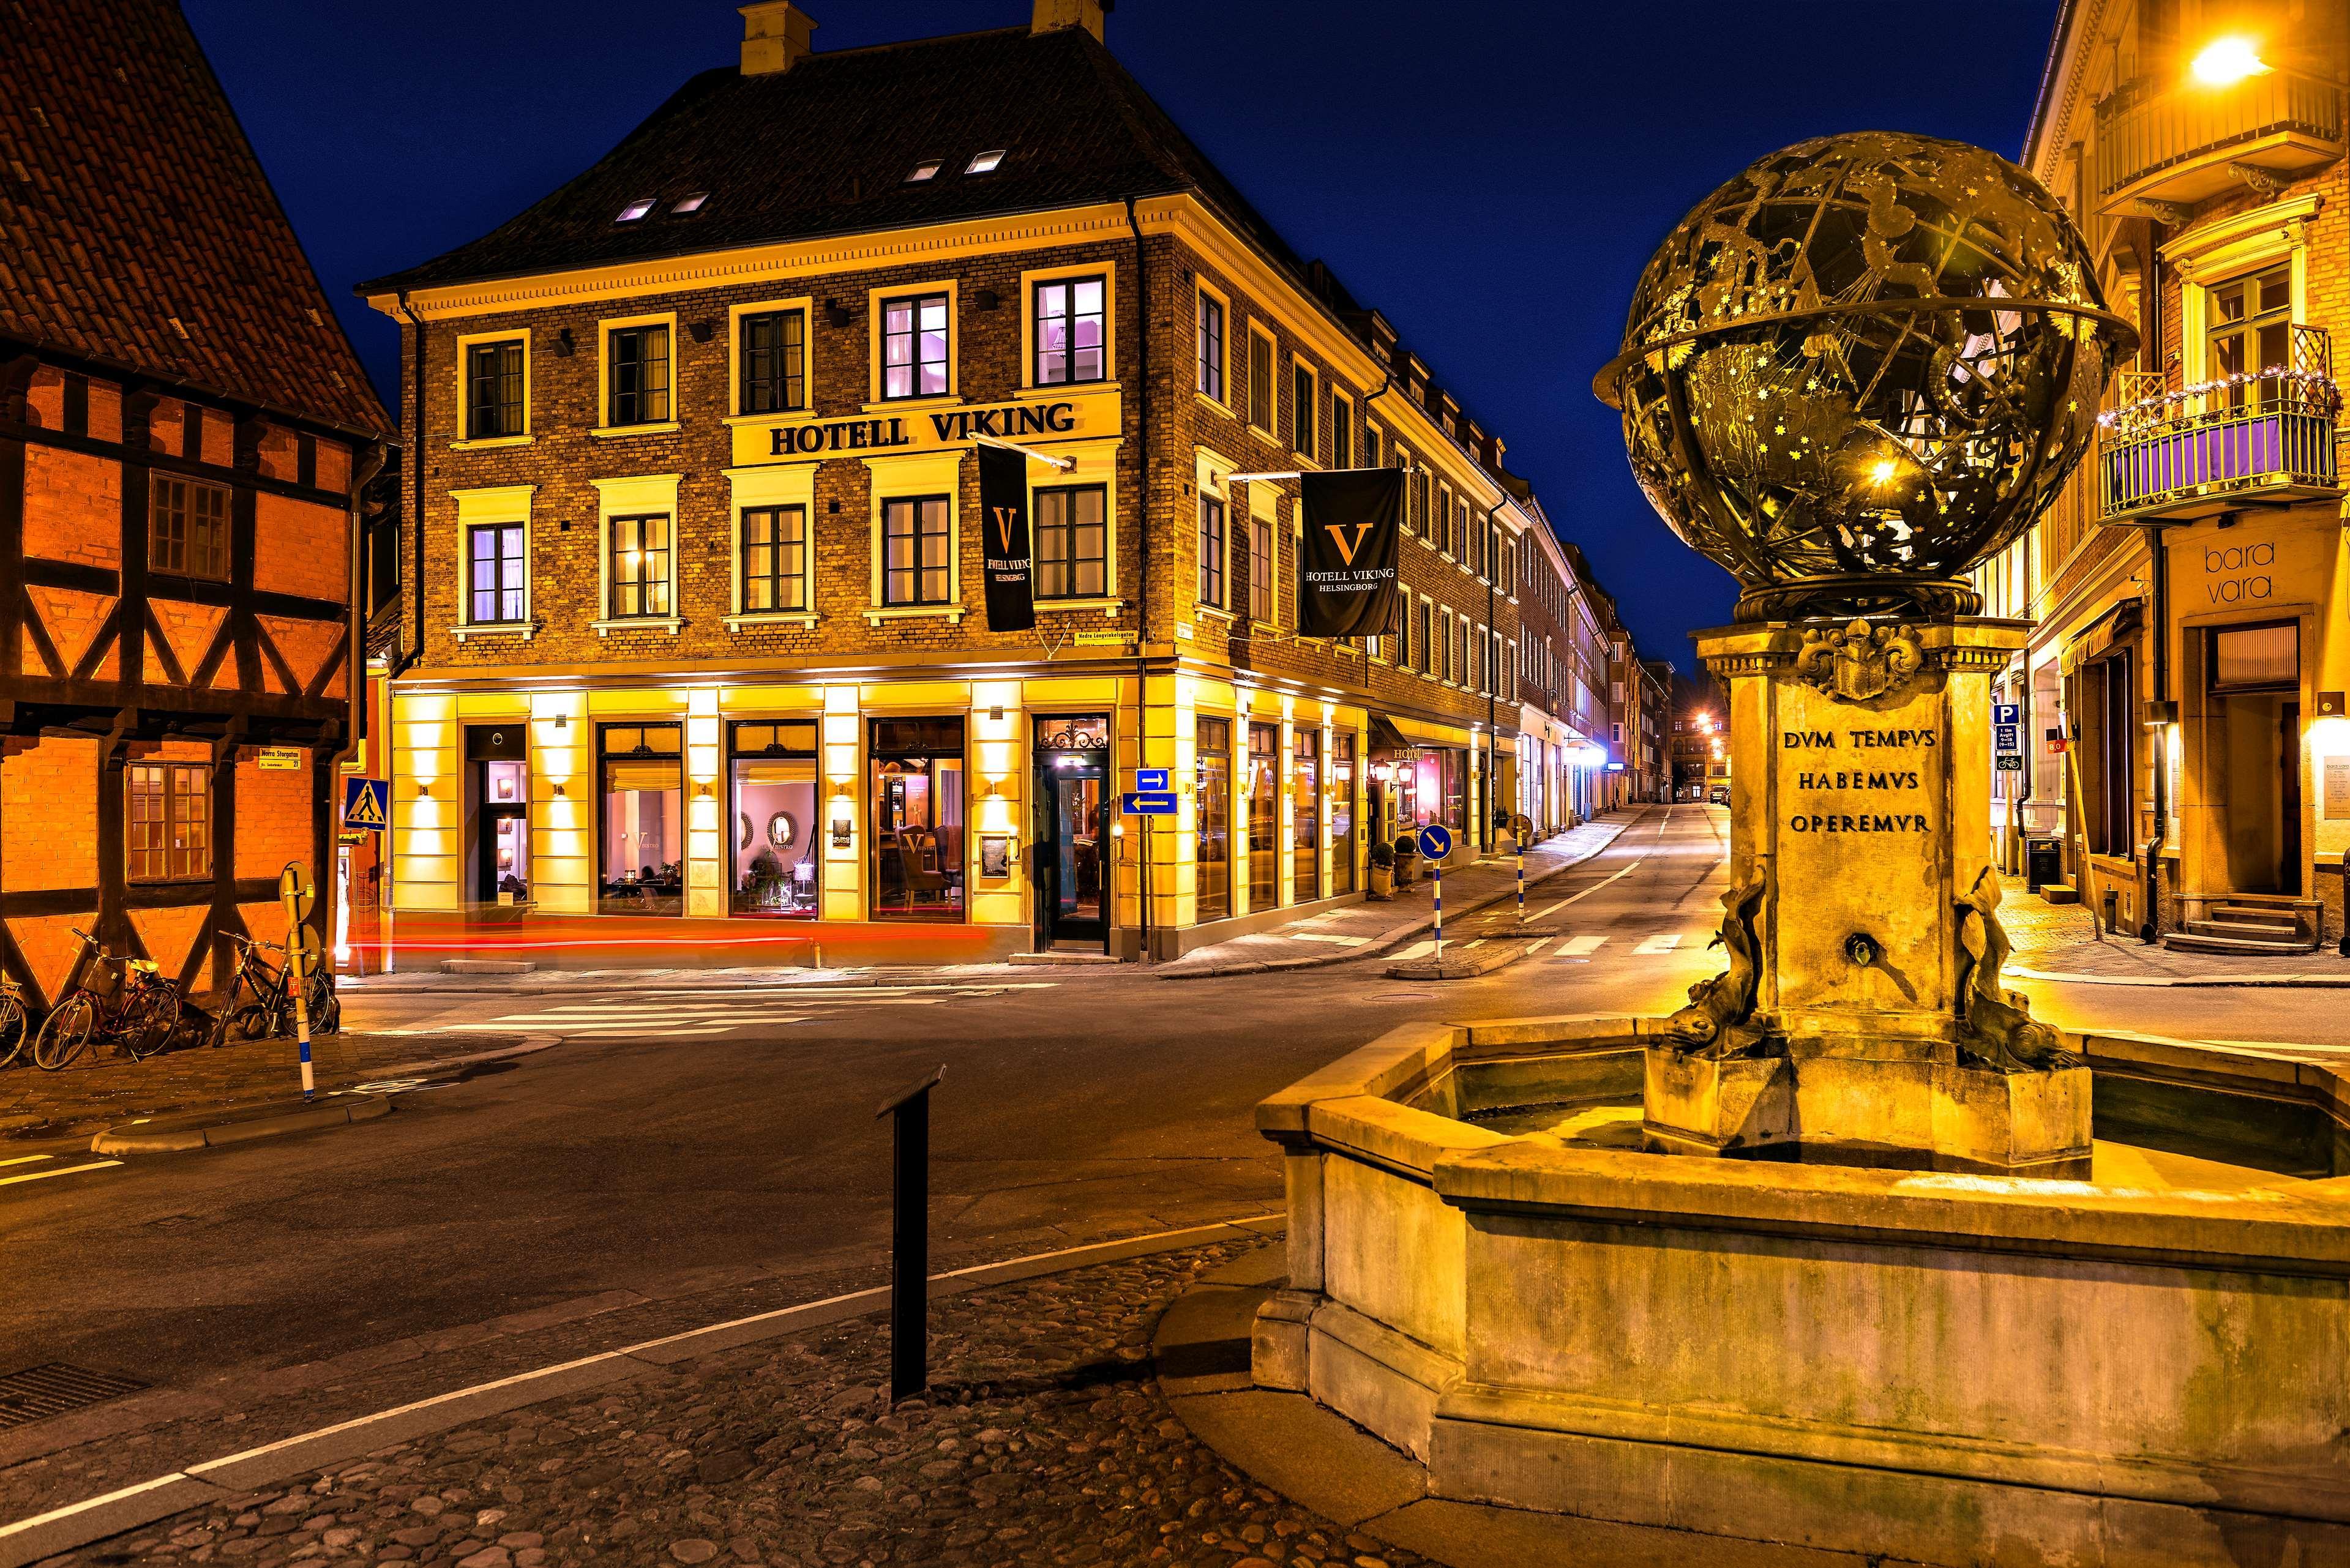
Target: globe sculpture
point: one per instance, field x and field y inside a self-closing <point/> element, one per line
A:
<point x="1861" y="368"/>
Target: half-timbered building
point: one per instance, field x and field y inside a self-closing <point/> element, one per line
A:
<point x="182" y="424"/>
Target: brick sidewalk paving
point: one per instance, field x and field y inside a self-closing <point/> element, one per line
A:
<point x="1045" y="1440"/>
<point x="102" y="1088"/>
<point x="2061" y="940"/>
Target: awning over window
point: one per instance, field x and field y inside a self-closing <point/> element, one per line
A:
<point x="2105" y="634"/>
<point x="1396" y="732"/>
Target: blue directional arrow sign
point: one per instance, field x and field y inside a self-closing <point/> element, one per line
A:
<point x="1435" y="842"/>
<point x="1152" y="781"/>
<point x="1147" y="802"/>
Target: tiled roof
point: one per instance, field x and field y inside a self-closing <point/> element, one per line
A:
<point x="136" y="227"/>
<point x="824" y="148"/>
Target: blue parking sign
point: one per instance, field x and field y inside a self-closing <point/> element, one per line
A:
<point x="2007" y="712"/>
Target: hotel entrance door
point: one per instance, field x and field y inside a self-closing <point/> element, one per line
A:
<point x="1073" y="831"/>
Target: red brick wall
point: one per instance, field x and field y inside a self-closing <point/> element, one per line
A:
<point x="48" y="817"/>
<point x="273" y="819"/>
<point x="73" y="507"/>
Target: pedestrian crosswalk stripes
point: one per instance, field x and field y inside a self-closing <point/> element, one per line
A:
<point x="1662" y="942"/>
<point x="702" y="1013"/>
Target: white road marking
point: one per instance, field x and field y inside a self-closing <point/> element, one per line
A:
<point x="1582" y="947"/>
<point x="65" y="1170"/>
<point x="1417" y="949"/>
<point x="1662" y="942"/>
<point x="1327" y="937"/>
<point x="1536" y="951"/>
<point x="1479" y="942"/>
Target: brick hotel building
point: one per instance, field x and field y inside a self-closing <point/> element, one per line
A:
<point x="182" y="423"/>
<point x="700" y="670"/>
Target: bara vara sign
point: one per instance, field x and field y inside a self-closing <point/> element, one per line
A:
<point x="1079" y="415"/>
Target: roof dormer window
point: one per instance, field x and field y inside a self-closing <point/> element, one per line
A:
<point x="692" y="203"/>
<point x="984" y="163"/>
<point x="928" y="168"/>
<point x="635" y="209"/>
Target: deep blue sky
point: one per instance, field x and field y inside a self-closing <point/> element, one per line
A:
<point x="1489" y="174"/>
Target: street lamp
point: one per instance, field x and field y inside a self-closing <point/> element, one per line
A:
<point x="2226" y="62"/>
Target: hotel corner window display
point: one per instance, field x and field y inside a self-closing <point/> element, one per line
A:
<point x="918" y="818"/>
<point x="914" y="346"/>
<point x="1068" y="331"/>
<point x="1211" y="754"/>
<point x="642" y="819"/>
<point x="1264" y="809"/>
<point x="774" y="768"/>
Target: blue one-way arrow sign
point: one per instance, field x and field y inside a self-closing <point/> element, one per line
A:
<point x="1147" y="802"/>
<point x="1152" y="781"/>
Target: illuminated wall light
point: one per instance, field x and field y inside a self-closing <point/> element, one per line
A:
<point x="2226" y="62"/>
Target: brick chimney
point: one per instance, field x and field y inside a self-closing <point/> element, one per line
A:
<point x="774" y="36"/>
<point x="1051" y="15"/>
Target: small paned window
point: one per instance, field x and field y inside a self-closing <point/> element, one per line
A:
<point x="1210" y="348"/>
<point x="1260" y="382"/>
<point x="1300" y="412"/>
<point x="914" y="346"/>
<point x="1342" y="435"/>
<point x="493" y="404"/>
<point x="1072" y="541"/>
<point x="774" y="558"/>
<point x="1070" y="316"/>
<point x="773" y="357"/>
<point x="640" y="554"/>
<point x="1211" y="551"/>
<point x="494" y="573"/>
<point x="1260" y="582"/>
<point x="187" y="528"/>
<point x="639" y="375"/>
<point x="167" y="831"/>
<point x="914" y="550"/>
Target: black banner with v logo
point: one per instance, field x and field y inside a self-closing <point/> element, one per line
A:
<point x="1008" y="566"/>
<point x="1346" y="578"/>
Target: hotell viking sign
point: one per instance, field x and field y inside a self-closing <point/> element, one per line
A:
<point x="803" y="438"/>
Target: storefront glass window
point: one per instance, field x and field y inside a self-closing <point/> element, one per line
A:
<point x="1342" y="813"/>
<point x="1264" y="825"/>
<point x="1306" y="779"/>
<point x="643" y="820"/>
<point x="776" y="873"/>
<point x="1212" y="859"/>
<point x="917" y="790"/>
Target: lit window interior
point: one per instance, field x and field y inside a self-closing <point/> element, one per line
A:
<point x="985" y="162"/>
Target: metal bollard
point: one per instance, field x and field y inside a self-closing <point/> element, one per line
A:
<point x="1437" y="867"/>
<point x="1521" y="881"/>
<point x="909" y="1235"/>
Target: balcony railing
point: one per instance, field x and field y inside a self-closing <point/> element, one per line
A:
<point x="2262" y="437"/>
<point x="2176" y="143"/>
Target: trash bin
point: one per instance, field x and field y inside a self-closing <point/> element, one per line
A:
<point x="2043" y="862"/>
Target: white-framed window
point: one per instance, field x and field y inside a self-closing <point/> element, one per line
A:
<point x="1067" y="327"/>
<point x="768" y="348"/>
<point x="1209" y="350"/>
<point x="636" y="379"/>
<point x="771" y="546"/>
<point x="493" y="562"/>
<point x="637" y="528"/>
<point x="917" y="534"/>
<point x="494" y="389"/>
<point x="914" y="341"/>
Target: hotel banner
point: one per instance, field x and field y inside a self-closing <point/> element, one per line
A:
<point x="1347" y="576"/>
<point x="1003" y="547"/>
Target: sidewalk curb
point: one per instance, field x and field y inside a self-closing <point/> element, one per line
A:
<point x="1394" y="937"/>
<point x="213" y="1130"/>
<point x="2188" y="981"/>
<point x="85" y="1523"/>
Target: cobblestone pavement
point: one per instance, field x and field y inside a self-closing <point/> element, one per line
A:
<point x="1045" y="1440"/>
<point x="2061" y="939"/>
<point x="104" y="1087"/>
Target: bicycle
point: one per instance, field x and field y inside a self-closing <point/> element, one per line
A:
<point x="143" y="1014"/>
<point x="270" y="1010"/>
<point x="16" y="1023"/>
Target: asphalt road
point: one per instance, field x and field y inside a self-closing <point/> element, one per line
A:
<point x="707" y="1141"/>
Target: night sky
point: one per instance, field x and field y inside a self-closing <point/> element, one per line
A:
<point x="1491" y="176"/>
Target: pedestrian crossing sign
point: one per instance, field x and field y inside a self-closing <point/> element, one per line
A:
<point x="367" y="803"/>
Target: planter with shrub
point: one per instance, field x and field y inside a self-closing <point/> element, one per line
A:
<point x="1383" y="859"/>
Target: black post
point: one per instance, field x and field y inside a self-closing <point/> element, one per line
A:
<point x="909" y="1236"/>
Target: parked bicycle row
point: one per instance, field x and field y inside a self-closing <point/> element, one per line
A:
<point x="144" y="1012"/>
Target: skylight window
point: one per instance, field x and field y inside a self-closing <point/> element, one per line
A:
<point x="690" y="203"/>
<point x="985" y="162"/>
<point x="635" y="209"/>
<point x="928" y="168"/>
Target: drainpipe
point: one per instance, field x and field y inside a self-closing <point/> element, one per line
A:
<point x="2149" y="926"/>
<point x="1491" y="675"/>
<point x="408" y="655"/>
<point x="1142" y="575"/>
<point x="355" y="675"/>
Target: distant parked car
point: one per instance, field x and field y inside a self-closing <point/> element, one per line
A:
<point x="1720" y="794"/>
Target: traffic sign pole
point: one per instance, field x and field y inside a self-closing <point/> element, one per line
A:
<point x="294" y="887"/>
<point x="1521" y="881"/>
<point x="1439" y="870"/>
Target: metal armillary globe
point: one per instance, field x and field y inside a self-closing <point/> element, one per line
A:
<point x="1859" y="369"/>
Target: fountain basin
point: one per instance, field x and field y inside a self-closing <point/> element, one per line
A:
<point x="1490" y="1272"/>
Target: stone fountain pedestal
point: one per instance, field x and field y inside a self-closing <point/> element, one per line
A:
<point x="1862" y="1020"/>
